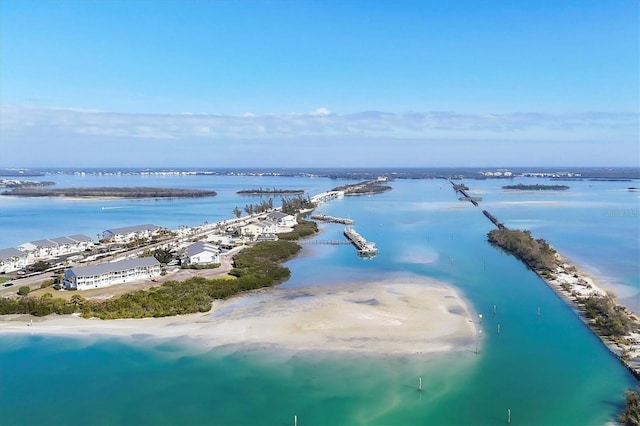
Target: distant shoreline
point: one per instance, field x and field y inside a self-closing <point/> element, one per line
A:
<point x="271" y="192"/>
<point x="110" y="192"/>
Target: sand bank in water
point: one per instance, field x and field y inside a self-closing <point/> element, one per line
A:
<point x="399" y="317"/>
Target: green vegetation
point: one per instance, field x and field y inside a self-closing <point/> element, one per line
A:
<point x="293" y="206"/>
<point x="255" y="267"/>
<point x="535" y="253"/>
<point x="262" y="207"/>
<point x="163" y="255"/>
<point x="24" y="290"/>
<point x="536" y="187"/>
<point x="201" y="266"/>
<point x="363" y="188"/>
<point x="304" y="228"/>
<point x="609" y="318"/>
<point x="40" y="266"/>
<point x="262" y="260"/>
<point x="101" y="192"/>
<point x="48" y="283"/>
<point x="631" y="414"/>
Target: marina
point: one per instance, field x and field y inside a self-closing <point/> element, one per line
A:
<point x="365" y="248"/>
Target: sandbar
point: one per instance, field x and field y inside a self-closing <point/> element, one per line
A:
<point x="401" y="316"/>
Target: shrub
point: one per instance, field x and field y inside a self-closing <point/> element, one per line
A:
<point x="24" y="290"/>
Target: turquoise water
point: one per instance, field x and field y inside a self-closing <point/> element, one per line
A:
<point x="548" y="370"/>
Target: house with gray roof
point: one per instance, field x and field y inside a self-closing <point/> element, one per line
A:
<point x="107" y="274"/>
<point x="258" y="228"/>
<point x="53" y="247"/>
<point x="201" y="253"/>
<point x="12" y="259"/>
<point x="282" y="219"/>
<point x="128" y="233"/>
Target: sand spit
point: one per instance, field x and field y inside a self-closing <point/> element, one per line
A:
<point x="399" y="317"/>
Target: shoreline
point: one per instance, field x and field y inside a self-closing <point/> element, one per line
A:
<point x="399" y="317"/>
<point x="570" y="283"/>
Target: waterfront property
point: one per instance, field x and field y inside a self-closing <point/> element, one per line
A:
<point x="258" y="228"/>
<point x="12" y="259"/>
<point x="52" y="247"/>
<point x="106" y="274"/>
<point x="201" y="253"/>
<point x="282" y="219"/>
<point x="129" y="233"/>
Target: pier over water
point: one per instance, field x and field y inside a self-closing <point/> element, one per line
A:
<point x="325" y="218"/>
<point x="365" y="248"/>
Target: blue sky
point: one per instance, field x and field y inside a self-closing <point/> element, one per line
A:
<point x="319" y="83"/>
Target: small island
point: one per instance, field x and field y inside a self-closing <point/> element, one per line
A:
<point x="110" y="192"/>
<point x="270" y="191"/>
<point x="368" y="187"/>
<point x="536" y="187"/>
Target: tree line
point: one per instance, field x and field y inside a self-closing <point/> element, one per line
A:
<point x="254" y="267"/>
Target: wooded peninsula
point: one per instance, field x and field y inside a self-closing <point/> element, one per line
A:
<point x="111" y="192"/>
<point x="364" y="188"/>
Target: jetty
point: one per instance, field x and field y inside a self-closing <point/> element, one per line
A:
<point x="577" y="290"/>
<point x="365" y="248"/>
<point x="462" y="189"/>
<point x="326" y="218"/>
<point x="493" y="220"/>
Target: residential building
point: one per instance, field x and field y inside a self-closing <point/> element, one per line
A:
<point x="12" y="259"/>
<point x="48" y="248"/>
<point x="129" y="233"/>
<point x="42" y="249"/>
<point x="282" y="219"/>
<point x="107" y="274"/>
<point x="258" y="228"/>
<point x="201" y="253"/>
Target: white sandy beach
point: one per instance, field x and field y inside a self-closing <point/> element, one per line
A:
<point x="406" y="316"/>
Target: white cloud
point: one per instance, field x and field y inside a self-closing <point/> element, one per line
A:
<point x="17" y="121"/>
<point x="321" y="111"/>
